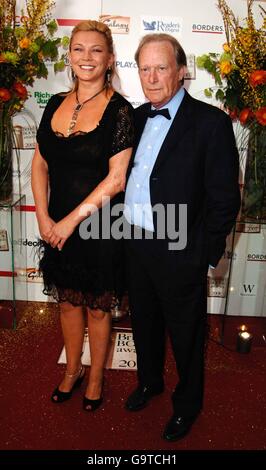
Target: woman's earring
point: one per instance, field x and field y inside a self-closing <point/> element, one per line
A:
<point x="108" y="76"/>
<point x="73" y="75"/>
<point x="66" y="60"/>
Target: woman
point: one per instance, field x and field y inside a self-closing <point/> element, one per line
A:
<point x="84" y="146"/>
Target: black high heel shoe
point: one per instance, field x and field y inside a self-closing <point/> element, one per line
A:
<point x="92" y="405"/>
<point x="59" y="397"/>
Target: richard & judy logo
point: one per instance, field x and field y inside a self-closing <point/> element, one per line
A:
<point x="161" y="24"/>
<point x="42" y="98"/>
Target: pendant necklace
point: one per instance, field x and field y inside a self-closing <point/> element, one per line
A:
<point x="78" y="108"/>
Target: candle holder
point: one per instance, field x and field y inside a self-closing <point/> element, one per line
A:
<point x="244" y="341"/>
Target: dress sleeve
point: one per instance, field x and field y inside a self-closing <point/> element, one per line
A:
<point x="123" y="130"/>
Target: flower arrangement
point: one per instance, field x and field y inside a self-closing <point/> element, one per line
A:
<point x="239" y="71"/>
<point x="240" y="78"/>
<point x="25" y="50"/>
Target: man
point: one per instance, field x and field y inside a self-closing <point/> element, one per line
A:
<point x="184" y="158"/>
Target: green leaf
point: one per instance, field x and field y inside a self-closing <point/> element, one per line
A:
<point x="52" y="27"/>
<point x="65" y="42"/>
<point x="219" y="95"/>
<point x="208" y="92"/>
<point x="59" y="66"/>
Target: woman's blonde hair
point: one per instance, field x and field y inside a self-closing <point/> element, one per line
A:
<point x="93" y="25"/>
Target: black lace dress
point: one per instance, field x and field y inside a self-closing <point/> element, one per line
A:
<point x="86" y="272"/>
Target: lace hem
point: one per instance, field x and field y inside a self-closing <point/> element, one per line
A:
<point x="105" y="302"/>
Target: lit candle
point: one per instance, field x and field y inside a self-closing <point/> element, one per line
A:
<point x="244" y="340"/>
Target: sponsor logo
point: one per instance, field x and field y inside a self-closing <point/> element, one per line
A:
<point x="68" y="21"/>
<point x="27" y="242"/>
<point x="25" y="137"/>
<point x="42" y="98"/>
<point x="126" y="64"/>
<point x="248" y="290"/>
<point x="162" y="24"/>
<point x="256" y="257"/>
<point x="33" y="244"/>
<point x="20" y="20"/>
<point x="216" y="287"/>
<point x="135" y="104"/>
<point x="29" y="274"/>
<point x="207" y="28"/>
<point x="3" y="240"/>
<point x="117" y="24"/>
<point x="248" y="228"/>
<point x="191" y="67"/>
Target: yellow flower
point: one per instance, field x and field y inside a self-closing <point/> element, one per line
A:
<point x="225" y="67"/>
<point x="226" y="47"/>
<point x="24" y="43"/>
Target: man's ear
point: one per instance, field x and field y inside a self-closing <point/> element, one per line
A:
<point x="181" y="72"/>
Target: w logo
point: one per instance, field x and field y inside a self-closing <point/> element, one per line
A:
<point x="249" y="289"/>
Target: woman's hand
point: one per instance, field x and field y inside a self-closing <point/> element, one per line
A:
<point x="61" y="231"/>
<point x="45" y="224"/>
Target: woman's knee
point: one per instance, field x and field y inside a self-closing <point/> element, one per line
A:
<point x="96" y="314"/>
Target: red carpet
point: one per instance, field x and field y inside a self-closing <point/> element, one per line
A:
<point x="234" y="415"/>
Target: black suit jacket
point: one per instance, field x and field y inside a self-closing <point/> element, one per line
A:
<point x="197" y="165"/>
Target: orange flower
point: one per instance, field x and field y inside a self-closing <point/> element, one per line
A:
<point x="225" y="67"/>
<point x="5" y="94"/>
<point x="244" y="115"/>
<point x="233" y="114"/>
<point x="258" y="77"/>
<point x="24" y="43"/>
<point x="261" y="115"/>
<point x="2" y="58"/>
<point x="21" y="90"/>
<point x="226" y="47"/>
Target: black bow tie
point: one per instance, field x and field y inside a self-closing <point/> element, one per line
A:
<point x="164" y="112"/>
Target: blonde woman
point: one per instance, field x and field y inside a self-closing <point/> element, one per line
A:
<point x="84" y="146"/>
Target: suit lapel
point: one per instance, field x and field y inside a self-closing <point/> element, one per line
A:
<point x="180" y="124"/>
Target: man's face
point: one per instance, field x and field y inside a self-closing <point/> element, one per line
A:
<point x="159" y="74"/>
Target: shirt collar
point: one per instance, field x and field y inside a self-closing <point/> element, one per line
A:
<point x="174" y="102"/>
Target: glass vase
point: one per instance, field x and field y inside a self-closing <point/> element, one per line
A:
<point x="253" y="207"/>
<point x="6" y="147"/>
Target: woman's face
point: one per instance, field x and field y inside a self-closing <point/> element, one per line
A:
<point x="89" y="56"/>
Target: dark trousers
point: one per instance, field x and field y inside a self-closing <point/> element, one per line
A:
<point x="159" y="303"/>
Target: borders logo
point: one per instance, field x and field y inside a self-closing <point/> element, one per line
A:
<point x="256" y="257"/>
<point x="162" y="24"/>
<point x="117" y="24"/>
<point x="207" y="28"/>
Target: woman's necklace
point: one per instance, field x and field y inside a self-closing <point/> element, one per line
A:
<point x="78" y="108"/>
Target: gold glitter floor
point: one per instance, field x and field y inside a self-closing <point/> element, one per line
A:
<point x="233" y="415"/>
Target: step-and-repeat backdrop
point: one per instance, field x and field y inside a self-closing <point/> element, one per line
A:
<point x="199" y="28"/>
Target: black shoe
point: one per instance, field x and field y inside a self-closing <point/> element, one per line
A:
<point x="178" y="427"/>
<point x="141" y="396"/>
<point x="92" y="405"/>
<point x="59" y="397"/>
